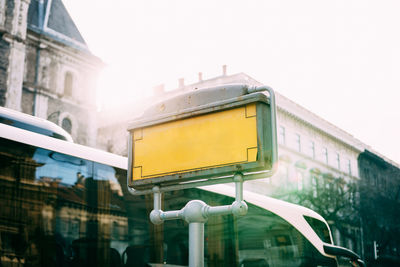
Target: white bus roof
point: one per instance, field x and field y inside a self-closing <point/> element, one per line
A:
<point x="61" y="146"/>
<point x="32" y="123"/>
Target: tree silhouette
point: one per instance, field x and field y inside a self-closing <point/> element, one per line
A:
<point x="334" y="198"/>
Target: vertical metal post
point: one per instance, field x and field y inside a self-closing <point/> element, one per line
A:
<point x="238" y="178"/>
<point x="196" y="244"/>
<point x="157" y="198"/>
<point x="196" y="214"/>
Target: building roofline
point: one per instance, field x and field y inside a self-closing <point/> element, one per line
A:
<point x="72" y="51"/>
<point x="353" y="142"/>
<point x="50" y="18"/>
<point x="309" y="118"/>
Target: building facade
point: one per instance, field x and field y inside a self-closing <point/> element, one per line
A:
<point x="46" y="68"/>
<point x="319" y="164"/>
<point x="379" y="208"/>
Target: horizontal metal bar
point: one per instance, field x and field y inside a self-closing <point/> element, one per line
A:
<point x="209" y="181"/>
<point x="171" y="215"/>
<point x="219" y="210"/>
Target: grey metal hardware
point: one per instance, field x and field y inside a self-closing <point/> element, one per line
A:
<point x="196" y="213"/>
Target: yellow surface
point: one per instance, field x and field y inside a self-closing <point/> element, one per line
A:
<point x="207" y="141"/>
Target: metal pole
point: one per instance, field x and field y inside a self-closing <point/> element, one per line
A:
<point x="196" y="214"/>
<point x="196" y="244"/>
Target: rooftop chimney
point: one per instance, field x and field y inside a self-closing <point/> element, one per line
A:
<point x="181" y="83"/>
<point x="200" y="76"/>
<point x="223" y="70"/>
<point x="158" y="89"/>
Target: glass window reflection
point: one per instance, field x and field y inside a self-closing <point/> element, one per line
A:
<point x="60" y="210"/>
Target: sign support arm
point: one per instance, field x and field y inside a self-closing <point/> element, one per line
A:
<point x="196" y="213"/>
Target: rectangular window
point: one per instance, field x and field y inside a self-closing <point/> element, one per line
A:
<point x="367" y="177"/>
<point x="282" y="178"/>
<point x="338" y="161"/>
<point x="376" y="178"/>
<point x="312" y="149"/>
<point x="73" y="230"/>
<point x="299" y="181"/>
<point x="349" y="166"/>
<point x="383" y="183"/>
<point x="298" y="142"/>
<point x="314" y="182"/>
<point x="351" y="197"/>
<point x="282" y="135"/>
<point x="325" y="155"/>
<point x="286" y="181"/>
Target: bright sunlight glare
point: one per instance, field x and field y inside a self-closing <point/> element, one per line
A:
<point x="339" y="59"/>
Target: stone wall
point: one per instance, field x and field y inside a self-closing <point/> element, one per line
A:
<point x="4" y="62"/>
<point x="13" y="25"/>
<point x="47" y="73"/>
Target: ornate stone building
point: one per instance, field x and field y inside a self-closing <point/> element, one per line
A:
<point x="46" y="68"/>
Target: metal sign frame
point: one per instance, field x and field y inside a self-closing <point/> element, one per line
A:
<point x="207" y="101"/>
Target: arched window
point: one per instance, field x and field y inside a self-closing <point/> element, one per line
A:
<point x="66" y="124"/>
<point x="68" y="84"/>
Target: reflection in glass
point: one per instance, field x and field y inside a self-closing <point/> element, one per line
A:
<point x="60" y="210"/>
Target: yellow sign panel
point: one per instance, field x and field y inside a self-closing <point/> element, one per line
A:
<point x="207" y="141"/>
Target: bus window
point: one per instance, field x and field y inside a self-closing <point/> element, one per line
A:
<point x="265" y="237"/>
<point x="260" y="238"/>
<point x="54" y="166"/>
<point x="59" y="210"/>
<point x="62" y="210"/>
<point x="320" y="228"/>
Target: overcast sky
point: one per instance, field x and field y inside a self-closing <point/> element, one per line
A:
<point x="340" y="59"/>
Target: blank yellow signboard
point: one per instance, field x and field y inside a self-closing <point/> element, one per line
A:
<point x="207" y="141"/>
